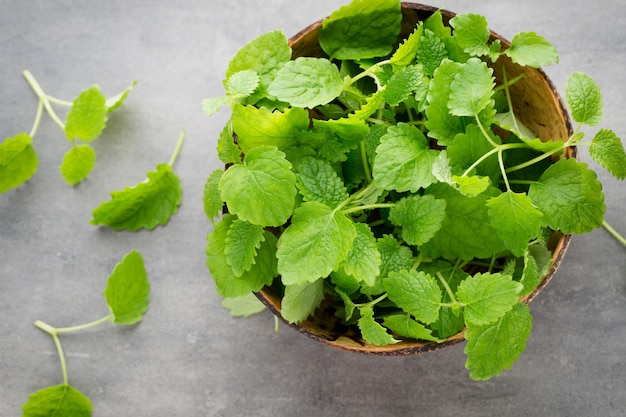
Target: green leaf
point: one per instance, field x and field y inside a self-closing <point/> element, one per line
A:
<point x="260" y="126"/>
<point x="407" y="50"/>
<point x="317" y="241"/>
<point x="403" y="83"/>
<point x="510" y="122"/>
<point x="242" y="242"/>
<point x="145" y="205"/>
<point x="243" y="306"/>
<point x="471" y="186"/>
<point x="607" y="150"/>
<point x="415" y="292"/>
<point x="88" y="115"/>
<point x="403" y="325"/>
<point x="128" y="290"/>
<point x="115" y="102"/>
<point x="472" y="32"/>
<point x="530" y="49"/>
<point x="262" y="190"/>
<point x="349" y="305"/>
<point x="570" y="197"/>
<point x="211" y="199"/>
<point x="241" y="84"/>
<point x="372" y="104"/>
<point x="364" y="259"/>
<point x="307" y="82"/>
<point x="348" y="131"/>
<point x="213" y="104"/>
<point x="227" y="150"/>
<point x="18" y="161"/>
<point x="584" y="99"/>
<point x="431" y="52"/>
<point x="471" y="145"/>
<point x="318" y="181"/>
<point x="301" y="301"/>
<point x="403" y="160"/>
<point x="78" y="163"/>
<point x="371" y="330"/>
<point x="362" y="29"/>
<point x="487" y="297"/>
<point x="261" y="273"/>
<point x="472" y="89"/>
<point x="59" y="400"/>
<point x="395" y="257"/>
<point x="419" y="216"/>
<point x="494" y="347"/>
<point x="516" y="220"/>
<point x="537" y="262"/>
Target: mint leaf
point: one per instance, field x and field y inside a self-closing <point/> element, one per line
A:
<point x="415" y="292"/>
<point x="128" y="290"/>
<point x="516" y="220"/>
<point x="403" y="83"/>
<point x="470" y="186"/>
<point x="348" y="131"/>
<point x="241" y="84"/>
<point x="471" y="145"/>
<point x="403" y="160"/>
<point x="584" y="99"/>
<point x="607" y="150"/>
<point x="88" y="115"/>
<point x="487" y="297"/>
<point x="431" y="52"/>
<point x="211" y="199"/>
<point x="371" y="330"/>
<point x="115" y="102"/>
<point x="213" y="104"/>
<point x="395" y="257"/>
<point x="242" y="242"/>
<point x="494" y="347"/>
<point x="372" y="104"/>
<point x="537" y="262"/>
<point x="61" y="400"/>
<point x="260" y="126"/>
<point x="261" y="273"/>
<point x="510" y="122"/>
<point x="18" y="161"/>
<point x="318" y="181"/>
<point x="362" y="29"/>
<point x="317" y="241"/>
<point x="472" y="89"/>
<point x="307" y="82"/>
<point x="472" y="33"/>
<point x="364" y="259"/>
<point x="227" y="150"/>
<point x="78" y="163"/>
<point x="530" y="49"/>
<point x="570" y="197"/>
<point x="403" y="325"/>
<point x="243" y="306"/>
<point x="419" y="216"/>
<point x="262" y="189"/>
<point x="301" y="301"/>
<point x="407" y="50"/>
<point x="144" y="205"/>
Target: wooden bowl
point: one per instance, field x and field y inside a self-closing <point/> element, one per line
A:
<point x="538" y="105"/>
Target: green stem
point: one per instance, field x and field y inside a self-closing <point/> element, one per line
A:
<point x="448" y="289"/>
<point x="366" y="166"/>
<point x="84" y="326"/>
<point x="33" y="131"/>
<point x="368" y="207"/>
<point x="373" y="302"/>
<point x="537" y="159"/>
<point x="55" y="336"/>
<point x="59" y="101"/>
<point x="179" y="145"/>
<point x="484" y="131"/>
<point x="503" y="170"/>
<point x="614" y="232"/>
<point x="368" y="72"/>
<point x="42" y="97"/>
<point x="497" y="149"/>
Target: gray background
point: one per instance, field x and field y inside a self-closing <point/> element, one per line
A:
<point x="189" y="357"/>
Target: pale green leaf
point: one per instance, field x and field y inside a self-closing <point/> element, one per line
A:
<point x="510" y="122"/>
<point x="371" y="330"/>
<point x="18" y="161"/>
<point x="211" y="199"/>
<point x="472" y="89"/>
<point x="584" y="99"/>
<point x="227" y="150"/>
<point x="318" y="181"/>
<point x="607" y="150"/>
<point x="242" y="242"/>
<point x="348" y="131"/>
<point x="128" y="290"/>
<point x="472" y="33"/>
<point x="213" y="104"/>
<point x="530" y="49"/>
<point x="242" y="84"/>
<point x="88" y="115"/>
<point x="537" y="262"/>
<point x="415" y="292"/>
<point x="78" y="163"/>
<point x="243" y="306"/>
<point x="58" y="400"/>
<point x="405" y="54"/>
<point x="115" y="102"/>
<point x="301" y="301"/>
<point x="471" y="186"/>
<point x="419" y="216"/>
<point x="403" y="325"/>
<point x="487" y="297"/>
<point x="364" y="259"/>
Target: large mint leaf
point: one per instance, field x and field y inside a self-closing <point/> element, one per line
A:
<point x="362" y="29"/>
<point x="262" y="190"/>
<point x="128" y="290"/>
<point x="317" y="241"/>
<point x="530" y="49"/>
<point x="472" y="89"/>
<point x="18" y="161"/>
<point x="419" y="216"/>
<point x="487" y="297"/>
<point x="584" y="99"/>
<point x="318" y="181"/>
<point x="494" y="347"/>
<point x="88" y="115"/>
<point x="364" y="259"/>
<point x="403" y="160"/>
<point x="607" y="150"/>
<point x="472" y="33"/>
<point x="300" y="301"/>
<point x="415" y="292"/>
<point x="58" y="400"/>
<point x="570" y="197"/>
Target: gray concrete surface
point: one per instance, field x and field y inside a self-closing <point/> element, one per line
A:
<point x="189" y="358"/>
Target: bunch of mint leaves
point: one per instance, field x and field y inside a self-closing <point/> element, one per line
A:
<point x="372" y="177"/>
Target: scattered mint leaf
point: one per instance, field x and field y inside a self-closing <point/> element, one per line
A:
<point x="537" y="262"/>
<point x="317" y="241"/>
<point x="18" y="161"/>
<point x="494" y="347"/>
<point x="243" y="239"/>
<point x="607" y="150"/>
<point x="364" y="259"/>
<point x="472" y="89"/>
<point x="584" y="99"/>
<point x="371" y="330"/>
<point x="115" y="102"/>
<point x="78" y="163"/>
<point x="243" y="306"/>
<point x="403" y="325"/>
<point x="227" y="150"/>
<point x="415" y="292"/>
<point x="128" y="291"/>
<point x="262" y="190"/>
<point x="301" y="301"/>
<point x="307" y="82"/>
<point x="570" y="197"/>
<point x="61" y="400"/>
<point x="211" y="199"/>
<point x="318" y="181"/>
<point x="487" y="297"/>
<point x="144" y="205"/>
<point x="88" y="115"/>
<point x="472" y="33"/>
<point x="407" y="50"/>
<point x="419" y="216"/>
<point x="516" y="220"/>
<point x="361" y="29"/>
<point x="530" y="49"/>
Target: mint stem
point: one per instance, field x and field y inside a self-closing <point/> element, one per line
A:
<point x="84" y="326"/>
<point x="54" y="333"/>
<point x="33" y="131"/>
<point x="179" y="145"/>
<point x="42" y="97"/>
<point x="614" y="232"/>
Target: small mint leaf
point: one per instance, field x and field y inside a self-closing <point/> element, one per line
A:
<point x="404" y="83"/>
<point x="419" y="216"/>
<point x="227" y="150"/>
<point x="128" y="290"/>
<point x="537" y="262"/>
<point x="530" y="49"/>
<point x="431" y="52"/>
<point x="364" y="259"/>
<point x="472" y="89"/>
<point x="88" y="115"/>
<point x="607" y="150"/>
<point x="318" y="181"/>
<point x="243" y="306"/>
<point x="403" y="325"/>
<point x="213" y="104"/>
<point x="115" y="102"/>
<point x="472" y="33"/>
<point x="211" y="199"/>
<point x="371" y="330"/>
<point x="301" y="301"/>
<point x="405" y="54"/>
<point x="78" y="163"/>
<point x="241" y="84"/>
<point x="584" y="99"/>
<point x="242" y="242"/>
<point x="18" y="161"/>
